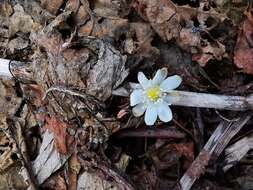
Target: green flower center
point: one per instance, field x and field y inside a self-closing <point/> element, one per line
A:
<point x="153" y="93"/>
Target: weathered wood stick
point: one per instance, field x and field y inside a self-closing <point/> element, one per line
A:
<point x="17" y="69"/>
<point x="235" y="152"/>
<point x="205" y="100"/>
<point x="22" y="71"/>
<point x="211" y="151"/>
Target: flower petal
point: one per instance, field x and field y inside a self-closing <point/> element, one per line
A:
<point x="171" y="83"/>
<point x="151" y="114"/>
<point x="139" y="110"/>
<point x="160" y="75"/>
<point x="143" y="80"/>
<point x="136" y="97"/>
<point x="164" y="112"/>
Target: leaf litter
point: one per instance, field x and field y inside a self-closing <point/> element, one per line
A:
<point x="66" y="123"/>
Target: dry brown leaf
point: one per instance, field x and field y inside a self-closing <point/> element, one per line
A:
<point x="81" y="16"/>
<point x="243" y="52"/>
<point x="58" y="128"/>
<point x="111" y="8"/>
<point x="144" y="35"/>
<point x="185" y="149"/>
<point x="210" y="51"/>
<point x="52" y="6"/>
<point x="6" y="8"/>
<point x="21" y="21"/>
<point x="17" y="44"/>
<point x="172" y="21"/>
<point x="161" y="15"/>
<point x="72" y="5"/>
<point x="56" y="182"/>
<point x="103" y="27"/>
<point x="9" y="100"/>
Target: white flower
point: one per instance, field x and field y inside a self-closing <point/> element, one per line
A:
<point x="150" y="96"/>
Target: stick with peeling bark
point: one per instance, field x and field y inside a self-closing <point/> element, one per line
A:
<point x="22" y="71"/>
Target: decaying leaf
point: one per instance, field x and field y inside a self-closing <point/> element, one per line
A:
<point x="52" y="6"/>
<point x="9" y="101"/>
<point x="5" y="146"/>
<point x="76" y="67"/>
<point x="108" y="73"/>
<point x="243" y="52"/>
<point x="111" y="8"/>
<point x="56" y="182"/>
<point x="142" y="35"/>
<point x="104" y="27"/>
<point x="12" y="179"/>
<point x="21" y="21"/>
<point x="172" y="21"/>
<point x="123" y="162"/>
<point x="49" y="160"/>
<point x="58" y="128"/>
<point x="17" y="44"/>
<point x="91" y="181"/>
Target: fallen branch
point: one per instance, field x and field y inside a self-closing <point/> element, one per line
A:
<point x="22" y="72"/>
<point x="213" y="148"/>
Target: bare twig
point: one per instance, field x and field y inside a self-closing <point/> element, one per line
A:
<point x="213" y="148"/>
<point x="151" y="133"/>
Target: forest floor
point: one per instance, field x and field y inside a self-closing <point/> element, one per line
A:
<point x="68" y="67"/>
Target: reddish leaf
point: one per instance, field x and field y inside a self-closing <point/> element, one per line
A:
<point x="58" y="128"/>
<point x="186" y="149"/>
<point x="243" y="53"/>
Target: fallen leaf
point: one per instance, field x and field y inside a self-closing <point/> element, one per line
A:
<point x="185" y="149"/>
<point x="104" y="27"/>
<point x="243" y="52"/>
<point x="52" y="6"/>
<point x="58" y="128"/>
<point x="21" y="21"/>
<point x="9" y="100"/>
<point x="108" y="73"/>
<point x="49" y="159"/>
<point x="111" y="8"/>
<point x="166" y="19"/>
<point x="17" y="44"/>
<point x="91" y="181"/>
<point x="56" y="182"/>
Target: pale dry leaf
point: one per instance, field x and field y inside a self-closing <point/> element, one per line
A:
<point x="49" y="159"/>
<point x="17" y="44"/>
<point x="111" y="8"/>
<point x="20" y="21"/>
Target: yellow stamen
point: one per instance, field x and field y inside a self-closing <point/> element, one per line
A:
<point x="153" y="93"/>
